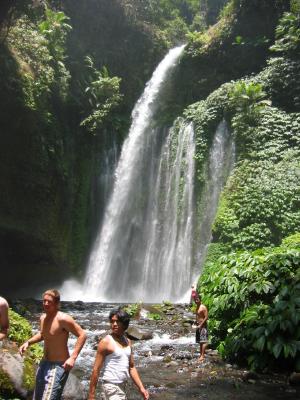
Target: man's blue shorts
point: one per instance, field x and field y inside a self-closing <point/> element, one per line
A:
<point x="51" y="378"/>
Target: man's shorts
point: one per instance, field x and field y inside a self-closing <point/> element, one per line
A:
<point x="112" y="391"/>
<point x="201" y="335"/>
<point x="51" y="378"/>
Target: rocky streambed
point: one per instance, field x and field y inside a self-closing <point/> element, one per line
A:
<point x="166" y="357"/>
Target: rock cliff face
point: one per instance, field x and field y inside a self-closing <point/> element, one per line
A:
<point x="48" y="162"/>
<point x="236" y="46"/>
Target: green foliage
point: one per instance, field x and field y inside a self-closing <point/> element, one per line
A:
<point x="173" y="19"/>
<point x="34" y="59"/>
<point x="133" y="309"/>
<point x="200" y="41"/>
<point x="260" y="204"/>
<point x="55" y="28"/>
<point x="282" y="82"/>
<point x="292" y="241"/>
<point x="254" y="303"/>
<point x="6" y="386"/>
<point x="215" y="251"/>
<point x="102" y="94"/>
<point x="206" y="116"/>
<point x="155" y="317"/>
<point x="248" y="101"/>
<point x="40" y="52"/>
<point x="19" y="331"/>
<point x="287" y="34"/>
<point x="193" y="308"/>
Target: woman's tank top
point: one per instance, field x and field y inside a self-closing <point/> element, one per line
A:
<point x="116" y="364"/>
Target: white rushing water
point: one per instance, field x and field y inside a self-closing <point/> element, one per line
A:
<point x="115" y="268"/>
<point x="145" y="249"/>
<point x="221" y="162"/>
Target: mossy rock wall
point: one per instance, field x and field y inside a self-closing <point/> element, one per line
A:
<point x="234" y="47"/>
<point x="48" y="161"/>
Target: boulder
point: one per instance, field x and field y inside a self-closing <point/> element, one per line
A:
<point x="294" y="378"/>
<point x="137" y="334"/>
<point x="151" y="309"/>
<point x="11" y="367"/>
<point x="73" y="389"/>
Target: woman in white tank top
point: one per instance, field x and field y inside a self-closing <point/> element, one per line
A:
<point x="116" y="364"/>
<point x="115" y="360"/>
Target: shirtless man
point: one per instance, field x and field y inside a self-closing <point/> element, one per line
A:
<point x="201" y="331"/>
<point x="114" y="355"/>
<point x="4" y="322"/>
<point x="54" y="368"/>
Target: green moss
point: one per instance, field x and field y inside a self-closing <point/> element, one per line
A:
<point x="20" y="330"/>
<point x="29" y="373"/>
<point x="6" y="386"/>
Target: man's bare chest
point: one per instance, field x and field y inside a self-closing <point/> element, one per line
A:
<point x="51" y="329"/>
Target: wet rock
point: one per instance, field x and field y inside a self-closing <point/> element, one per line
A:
<point x="173" y="363"/>
<point x="175" y="336"/>
<point x="12" y="366"/>
<point x="137" y="334"/>
<point x="73" y="389"/>
<point x="294" y="378"/>
<point x="151" y="309"/>
<point x="167" y="347"/>
<point x="183" y="355"/>
<point x="212" y="352"/>
<point x="167" y="359"/>
<point x="79" y="305"/>
<point x="182" y="370"/>
<point x="249" y="375"/>
<point x="186" y="324"/>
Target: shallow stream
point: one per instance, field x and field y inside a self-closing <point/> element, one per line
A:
<point x="168" y="363"/>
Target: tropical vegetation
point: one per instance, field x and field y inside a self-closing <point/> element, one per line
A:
<point x="69" y="76"/>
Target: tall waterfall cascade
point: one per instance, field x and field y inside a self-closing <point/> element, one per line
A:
<point x="145" y="249"/>
<point x="220" y="163"/>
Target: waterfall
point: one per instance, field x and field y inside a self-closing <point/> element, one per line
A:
<point x="168" y="252"/>
<point x="146" y="248"/>
<point x="220" y="163"/>
<point x="115" y="270"/>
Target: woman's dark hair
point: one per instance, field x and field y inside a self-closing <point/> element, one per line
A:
<point x="122" y="315"/>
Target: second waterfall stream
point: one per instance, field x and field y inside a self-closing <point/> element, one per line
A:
<point x="145" y="248"/>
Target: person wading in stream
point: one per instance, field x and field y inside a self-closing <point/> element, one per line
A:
<point x="54" y="368"/>
<point x="4" y="322"/>
<point x="114" y="357"/>
<point x="201" y="331"/>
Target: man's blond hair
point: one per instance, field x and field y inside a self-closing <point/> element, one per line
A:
<point x="54" y="293"/>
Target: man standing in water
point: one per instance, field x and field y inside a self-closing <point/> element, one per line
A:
<point x="114" y="355"/>
<point x="201" y="331"/>
<point x="54" y="368"/>
<point x="4" y="322"/>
